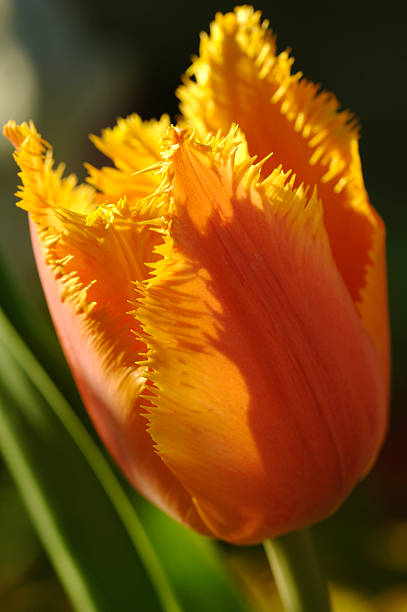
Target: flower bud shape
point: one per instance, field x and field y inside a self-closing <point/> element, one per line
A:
<point x="220" y="292"/>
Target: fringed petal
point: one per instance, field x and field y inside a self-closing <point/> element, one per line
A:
<point x="89" y="258"/>
<point x="238" y="78"/>
<point x="133" y="145"/>
<point x="43" y="190"/>
<point x="268" y="401"/>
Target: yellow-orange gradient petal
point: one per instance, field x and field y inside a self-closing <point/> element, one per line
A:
<point x="43" y="189"/>
<point x="269" y="402"/>
<point x="238" y="78"/>
<point x="132" y="145"/>
<point x="89" y="258"/>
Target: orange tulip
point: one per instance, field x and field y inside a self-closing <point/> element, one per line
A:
<point x="223" y="309"/>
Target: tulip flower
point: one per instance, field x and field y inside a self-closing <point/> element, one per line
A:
<point x="220" y="292"/>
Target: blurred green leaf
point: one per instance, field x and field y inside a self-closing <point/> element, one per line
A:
<point x="19" y="549"/>
<point x="194" y="564"/>
<point x="22" y="314"/>
<point x="84" y="518"/>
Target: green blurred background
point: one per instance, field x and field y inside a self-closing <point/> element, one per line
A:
<point x="74" y="66"/>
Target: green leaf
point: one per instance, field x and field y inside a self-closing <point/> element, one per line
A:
<point x="85" y="520"/>
<point x="194" y="564"/>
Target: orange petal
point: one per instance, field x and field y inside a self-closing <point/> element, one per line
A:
<point x="238" y="78"/>
<point x="269" y="399"/>
<point x="88" y="264"/>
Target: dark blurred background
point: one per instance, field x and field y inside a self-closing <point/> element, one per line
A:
<point x="74" y="66"/>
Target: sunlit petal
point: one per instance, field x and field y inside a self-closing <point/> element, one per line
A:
<point x="257" y="354"/>
<point x="76" y="255"/>
<point x="220" y="292"/>
<point x="133" y="145"/>
<point x="239" y="78"/>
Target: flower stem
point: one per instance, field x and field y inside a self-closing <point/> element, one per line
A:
<point x="296" y="571"/>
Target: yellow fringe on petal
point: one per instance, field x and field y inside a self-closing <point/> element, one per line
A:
<point x="89" y="247"/>
<point x="239" y="78"/>
<point x="134" y="147"/>
<point x="44" y="190"/>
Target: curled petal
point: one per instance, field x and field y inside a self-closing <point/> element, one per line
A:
<point x="44" y="190"/>
<point x="269" y="399"/>
<point x="88" y="265"/>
